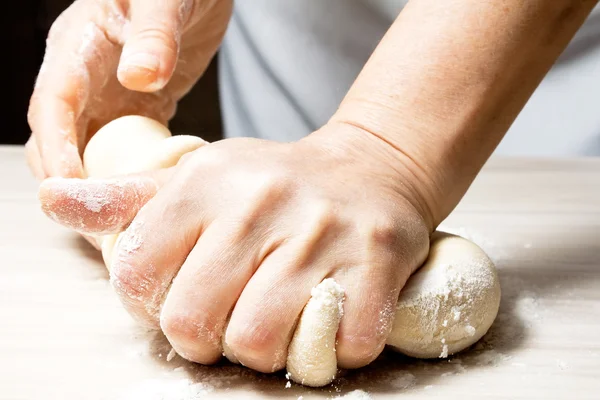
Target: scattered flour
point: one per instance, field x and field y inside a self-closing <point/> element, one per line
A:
<point x="404" y="381"/>
<point x="161" y="389"/>
<point x="561" y="365"/>
<point x="171" y="355"/>
<point x="356" y="395"/>
<point x="490" y="357"/>
<point x="444" y="353"/>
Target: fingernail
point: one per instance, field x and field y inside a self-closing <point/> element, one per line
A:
<point x="144" y="61"/>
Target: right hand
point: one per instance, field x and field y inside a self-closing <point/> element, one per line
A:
<point x="109" y="58"/>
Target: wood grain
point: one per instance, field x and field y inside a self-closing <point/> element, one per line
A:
<point x="64" y="335"/>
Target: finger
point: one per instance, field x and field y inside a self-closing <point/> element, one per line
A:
<point x="208" y="285"/>
<point x="34" y="159"/>
<point x="150" y="53"/>
<point x="56" y="102"/>
<point x="99" y="206"/>
<point x="52" y="121"/>
<point x="78" y="53"/>
<point x="370" y="301"/>
<point x="263" y="320"/>
<point x="150" y="252"/>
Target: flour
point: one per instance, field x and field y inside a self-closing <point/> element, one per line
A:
<point x="490" y="358"/>
<point x="356" y="395"/>
<point x="94" y="206"/>
<point x="444" y="353"/>
<point x="449" y="303"/>
<point x="404" y="381"/>
<point x="434" y="292"/>
<point x="130" y="240"/>
<point x="311" y="354"/>
<point x="162" y="389"/>
<point x="171" y="355"/>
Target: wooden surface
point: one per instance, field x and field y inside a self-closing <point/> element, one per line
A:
<point x="64" y="335"/>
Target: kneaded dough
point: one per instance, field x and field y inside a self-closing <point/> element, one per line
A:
<point x="445" y="307"/>
<point x="311" y="356"/>
<point x="449" y="303"/>
<point x="129" y="145"/>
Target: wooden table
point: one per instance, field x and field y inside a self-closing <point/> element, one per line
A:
<point x="64" y="335"/>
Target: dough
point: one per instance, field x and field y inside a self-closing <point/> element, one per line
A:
<point x="449" y="303"/>
<point x="311" y="355"/>
<point x="445" y="307"/>
<point x="128" y="145"/>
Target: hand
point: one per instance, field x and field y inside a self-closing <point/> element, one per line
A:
<point x="242" y="229"/>
<point x="109" y="58"/>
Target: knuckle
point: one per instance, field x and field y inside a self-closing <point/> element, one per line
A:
<point x="319" y="228"/>
<point x="267" y="191"/>
<point x="133" y="285"/>
<point x="357" y="349"/>
<point x="384" y="232"/>
<point x="196" y="337"/>
<point x="158" y="34"/>
<point x="267" y="185"/>
<point x="322" y="215"/>
<point x="206" y="158"/>
<point x="360" y="341"/>
<point x="256" y="345"/>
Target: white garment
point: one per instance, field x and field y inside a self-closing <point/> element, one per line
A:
<point x="285" y="65"/>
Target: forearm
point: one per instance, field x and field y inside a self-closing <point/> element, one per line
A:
<point x="448" y="80"/>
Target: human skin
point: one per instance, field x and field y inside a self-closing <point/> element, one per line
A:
<point x="109" y="58"/>
<point x="244" y="228"/>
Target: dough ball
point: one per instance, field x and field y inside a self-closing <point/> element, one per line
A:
<point x="123" y="146"/>
<point x="449" y="303"/>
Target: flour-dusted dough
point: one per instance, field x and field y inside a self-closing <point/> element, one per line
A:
<point x="449" y="303"/>
<point x="445" y="307"/>
<point x="311" y="355"/>
<point x="133" y="144"/>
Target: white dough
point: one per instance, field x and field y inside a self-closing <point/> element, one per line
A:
<point x="449" y="303"/>
<point x="124" y="146"/>
<point x="133" y="144"/>
<point x="445" y="307"/>
<point x="311" y="355"/>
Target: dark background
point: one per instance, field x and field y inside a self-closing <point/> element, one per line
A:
<point x="23" y="38"/>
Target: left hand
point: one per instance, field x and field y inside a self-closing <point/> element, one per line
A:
<point x="244" y="228"/>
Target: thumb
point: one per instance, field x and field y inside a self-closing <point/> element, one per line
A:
<point x="150" y="53"/>
<point x="99" y="206"/>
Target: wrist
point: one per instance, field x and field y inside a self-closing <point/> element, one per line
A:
<point x="440" y="155"/>
<point x="441" y="90"/>
<point x="406" y="178"/>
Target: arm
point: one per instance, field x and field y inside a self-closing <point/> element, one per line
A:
<point x="448" y="80"/>
<point x="229" y="249"/>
